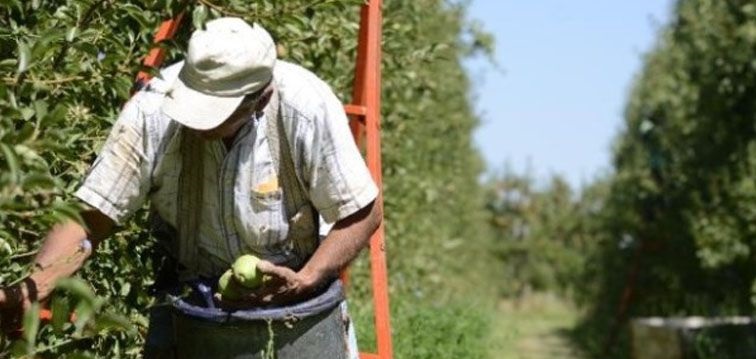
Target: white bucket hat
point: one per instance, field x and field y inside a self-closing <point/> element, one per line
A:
<point x="226" y="61"/>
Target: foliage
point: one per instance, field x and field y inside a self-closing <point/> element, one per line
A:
<point x="670" y="232"/>
<point x="542" y="233"/>
<point x="534" y="327"/>
<point x="680" y="218"/>
<point x="457" y="330"/>
<point x="429" y="158"/>
<point x="67" y="67"/>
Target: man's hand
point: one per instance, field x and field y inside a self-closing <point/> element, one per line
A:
<point x="348" y="236"/>
<point x="63" y="252"/>
<point x="281" y="286"/>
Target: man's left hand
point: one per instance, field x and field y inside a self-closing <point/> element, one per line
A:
<point x="282" y="286"/>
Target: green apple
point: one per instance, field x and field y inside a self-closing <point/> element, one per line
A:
<point x="227" y="289"/>
<point x="246" y="272"/>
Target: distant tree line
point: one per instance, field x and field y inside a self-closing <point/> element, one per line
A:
<point x="672" y="229"/>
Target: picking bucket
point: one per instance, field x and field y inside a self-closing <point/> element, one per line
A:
<point x="314" y="329"/>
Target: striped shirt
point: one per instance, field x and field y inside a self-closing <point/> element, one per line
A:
<point x="243" y="207"/>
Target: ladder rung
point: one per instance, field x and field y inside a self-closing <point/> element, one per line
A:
<point x="168" y="28"/>
<point x="369" y="356"/>
<point x="355" y="110"/>
<point x="154" y="58"/>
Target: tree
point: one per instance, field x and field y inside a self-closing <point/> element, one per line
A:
<point x="682" y="196"/>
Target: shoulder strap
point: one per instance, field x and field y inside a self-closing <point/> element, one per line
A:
<point x="280" y="152"/>
<point x="189" y="202"/>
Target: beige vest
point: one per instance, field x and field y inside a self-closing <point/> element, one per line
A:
<point x="300" y="213"/>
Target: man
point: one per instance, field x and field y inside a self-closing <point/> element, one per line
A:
<point x="238" y="153"/>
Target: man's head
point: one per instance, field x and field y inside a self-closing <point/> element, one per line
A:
<point x="227" y="66"/>
<point x="251" y="103"/>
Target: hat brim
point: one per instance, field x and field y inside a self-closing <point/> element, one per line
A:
<point x="198" y="110"/>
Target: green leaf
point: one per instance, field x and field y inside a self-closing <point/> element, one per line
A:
<point x="199" y="16"/>
<point x="293" y="29"/>
<point x="37" y="181"/>
<point x="31" y="327"/>
<point x="24" y="133"/>
<point x="27" y="154"/>
<point x="78" y="288"/>
<point x="125" y="289"/>
<point x="19" y="349"/>
<point x="24" y="57"/>
<point x="45" y="43"/>
<point x="40" y="109"/>
<point x="84" y="311"/>
<point x="57" y="114"/>
<point x="87" y="48"/>
<point x="26" y="113"/>
<point x="8" y="63"/>
<point x="12" y="161"/>
<point x="5" y="248"/>
<point x="71" y="34"/>
<point x="137" y="14"/>
<point x="61" y="311"/>
<point x="65" y="211"/>
<point x="111" y="321"/>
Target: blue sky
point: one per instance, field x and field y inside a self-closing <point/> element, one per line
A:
<point x="566" y="67"/>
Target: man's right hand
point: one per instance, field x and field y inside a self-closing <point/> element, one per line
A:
<point x="62" y="253"/>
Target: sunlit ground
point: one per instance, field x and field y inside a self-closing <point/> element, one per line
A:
<point x="535" y="327"/>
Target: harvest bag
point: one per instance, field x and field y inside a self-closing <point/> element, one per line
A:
<point x="313" y="329"/>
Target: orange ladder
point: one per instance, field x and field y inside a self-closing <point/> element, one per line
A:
<point x="364" y="112"/>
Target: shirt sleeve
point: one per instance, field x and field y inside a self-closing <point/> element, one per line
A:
<point x="118" y="181"/>
<point x="337" y="177"/>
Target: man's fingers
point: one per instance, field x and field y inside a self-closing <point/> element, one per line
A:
<point x="265" y="266"/>
<point x="218" y="300"/>
<point x="280" y="289"/>
<point x="275" y="271"/>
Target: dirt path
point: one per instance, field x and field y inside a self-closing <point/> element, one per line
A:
<point x="534" y="328"/>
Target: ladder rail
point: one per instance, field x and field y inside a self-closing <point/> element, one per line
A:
<point x="366" y="128"/>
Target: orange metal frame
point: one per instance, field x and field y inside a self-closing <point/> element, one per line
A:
<point x="365" y="113"/>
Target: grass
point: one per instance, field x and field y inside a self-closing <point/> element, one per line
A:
<point x="535" y="327"/>
<point x="421" y="330"/>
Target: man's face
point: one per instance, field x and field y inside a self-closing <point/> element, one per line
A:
<point x="233" y="123"/>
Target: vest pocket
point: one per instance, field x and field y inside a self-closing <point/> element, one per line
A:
<point x="264" y="200"/>
<point x="267" y="207"/>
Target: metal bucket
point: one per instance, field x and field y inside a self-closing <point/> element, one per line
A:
<point x="314" y="329"/>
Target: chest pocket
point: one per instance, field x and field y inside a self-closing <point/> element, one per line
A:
<point x="268" y="209"/>
<point x="284" y="235"/>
